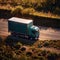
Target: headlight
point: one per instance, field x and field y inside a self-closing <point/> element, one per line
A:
<point x="36" y="28"/>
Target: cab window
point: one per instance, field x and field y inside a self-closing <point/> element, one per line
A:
<point x="33" y="32"/>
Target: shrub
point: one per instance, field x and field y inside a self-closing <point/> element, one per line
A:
<point x="46" y="44"/>
<point x="43" y="52"/>
<point x="42" y="58"/>
<point x="18" y="45"/>
<point x="23" y="48"/>
<point x="57" y="10"/>
<point x="17" y="11"/>
<point x="28" y="53"/>
<point x="0" y="40"/>
<point x="39" y="45"/>
<point x="28" y="11"/>
<point x="35" y="57"/>
<point x="39" y="54"/>
<point x="33" y="49"/>
<point x="52" y="56"/>
<point x="23" y="57"/>
<point x="18" y="52"/>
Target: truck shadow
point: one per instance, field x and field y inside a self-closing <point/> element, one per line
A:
<point x="10" y="40"/>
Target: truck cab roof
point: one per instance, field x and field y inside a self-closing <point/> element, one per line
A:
<point x="20" y="20"/>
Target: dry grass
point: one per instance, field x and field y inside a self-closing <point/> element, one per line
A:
<point x="29" y="11"/>
<point x="17" y="50"/>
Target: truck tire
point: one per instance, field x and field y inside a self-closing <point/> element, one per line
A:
<point x="13" y="33"/>
<point x="33" y="38"/>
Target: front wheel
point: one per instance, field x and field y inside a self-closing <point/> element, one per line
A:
<point x="33" y="38"/>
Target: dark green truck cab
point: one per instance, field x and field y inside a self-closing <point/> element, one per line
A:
<point x="24" y="27"/>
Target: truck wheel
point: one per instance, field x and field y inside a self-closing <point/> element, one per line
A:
<point x="30" y="38"/>
<point x="35" y="38"/>
<point x="13" y="34"/>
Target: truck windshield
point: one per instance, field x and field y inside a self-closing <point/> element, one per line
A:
<point x="33" y="31"/>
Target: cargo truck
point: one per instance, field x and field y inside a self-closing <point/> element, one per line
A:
<point x="23" y="28"/>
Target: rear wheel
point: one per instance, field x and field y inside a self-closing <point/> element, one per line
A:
<point x="35" y="38"/>
<point x="13" y="33"/>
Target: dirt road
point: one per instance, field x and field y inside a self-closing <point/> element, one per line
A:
<point x="49" y="34"/>
<point x="45" y="33"/>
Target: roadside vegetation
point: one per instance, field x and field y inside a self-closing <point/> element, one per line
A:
<point x="16" y="50"/>
<point x="45" y="8"/>
<point x="48" y="44"/>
